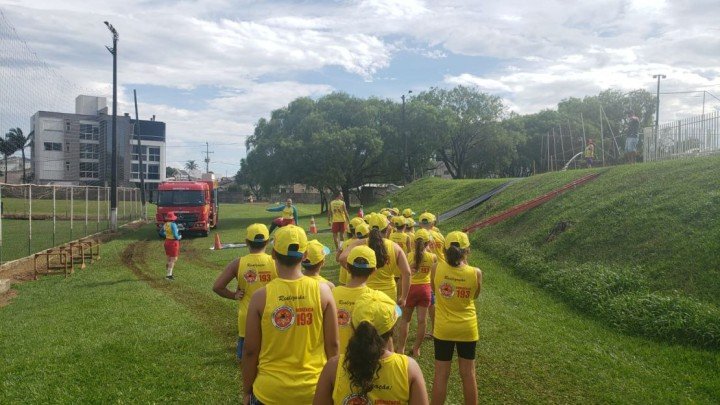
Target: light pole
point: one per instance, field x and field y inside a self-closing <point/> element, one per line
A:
<point x="113" y="161"/>
<point x="657" y="111"/>
<point x="406" y="158"/>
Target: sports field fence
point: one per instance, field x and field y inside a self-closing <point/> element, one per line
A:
<point x="35" y="217"/>
<point x="693" y="136"/>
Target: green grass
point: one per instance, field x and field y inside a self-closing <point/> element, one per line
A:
<point x="118" y="332"/>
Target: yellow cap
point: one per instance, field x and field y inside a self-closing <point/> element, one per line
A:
<point x="385" y="212"/>
<point x="257" y="233"/>
<point x="457" y="238"/>
<point x="355" y="222"/>
<point x="362" y="230"/>
<point x="316" y="252"/>
<point x="399" y="221"/>
<point x="378" y="221"/>
<point x="364" y="252"/>
<point x="291" y="240"/>
<point x="427" y="217"/>
<point x="378" y="309"/>
<point x="423" y="234"/>
<point x="409" y="222"/>
<point x="407" y="212"/>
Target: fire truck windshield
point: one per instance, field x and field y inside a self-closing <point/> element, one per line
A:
<point x="180" y="197"/>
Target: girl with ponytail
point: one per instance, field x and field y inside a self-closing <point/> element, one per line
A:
<point x="422" y="264"/>
<point x="369" y="371"/>
<point x="457" y="286"/>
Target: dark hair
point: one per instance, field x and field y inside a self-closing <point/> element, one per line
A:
<point x="419" y="252"/>
<point x="399" y="228"/>
<point x="377" y="244"/>
<point x="285" y="260"/>
<point x="454" y="255"/>
<point x="350" y="232"/>
<point x="312" y="267"/>
<point x="362" y="358"/>
<point x="359" y="271"/>
<point x="256" y="245"/>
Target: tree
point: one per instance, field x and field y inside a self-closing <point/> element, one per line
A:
<point x="7" y="148"/>
<point x="16" y="136"/>
<point x="191" y="165"/>
<point x="170" y="171"/>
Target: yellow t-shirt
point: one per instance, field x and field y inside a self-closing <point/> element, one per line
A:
<point x="168" y="231"/>
<point x="422" y="275"/>
<point x="402" y="239"/>
<point x="383" y="279"/>
<point x="455" y="316"/>
<point x="288" y="213"/>
<point x="292" y="352"/>
<point x="391" y="386"/>
<point x="344" y="275"/>
<point x="345" y="298"/>
<point x="254" y="272"/>
<point x="337" y="208"/>
<point x="319" y="278"/>
<point x="437" y="245"/>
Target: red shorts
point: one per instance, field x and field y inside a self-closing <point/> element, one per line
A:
<point x="283" y="221"/>
<point x="418" y="296"/>
<point x="338" y="227"/>
<point x="172" y="247"/>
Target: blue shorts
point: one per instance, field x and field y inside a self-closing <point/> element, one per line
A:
<point x="432" y="298"/>
<point x="631" y="144"/>
<point x="239" y="349"/>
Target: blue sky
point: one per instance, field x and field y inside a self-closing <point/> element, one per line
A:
<point x="210" y="69"/>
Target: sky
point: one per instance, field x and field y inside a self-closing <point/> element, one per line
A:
<point x="211" y="68"/>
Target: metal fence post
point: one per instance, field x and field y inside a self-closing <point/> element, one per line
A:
<point x="72" y="210"/>
<point x="1" y="229"/>
<point x="86" y="209"/>
<point x="29" y="219"/>
<point x="107" y="195"/>
<point x="97" y="223"/>
<point x="53" y="195"/>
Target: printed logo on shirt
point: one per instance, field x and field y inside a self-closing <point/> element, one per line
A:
<point x="250" y="276"/>
<point x="283" y="317"/>
<point x="343" y="317"/>
<point x="447" y="290"/>
<point x="355" y="399"/>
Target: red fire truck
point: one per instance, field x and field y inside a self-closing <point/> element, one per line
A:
<point x="193" y="202"/>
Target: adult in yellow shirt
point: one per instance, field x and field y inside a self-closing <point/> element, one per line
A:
<point x="337" y="218"/>
<point x="252" y="271"/>
<point x="361" y="264"/>
<point x="369" y="372"/>
<point x="457" y="286"/>
<point x="422" y="263"/>
<point x="291" y="329"/>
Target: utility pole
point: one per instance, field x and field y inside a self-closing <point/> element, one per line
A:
<point x="113" y="161"/>
<point x="657" y="111"/>
<point x="207" y="157"/>
<point x="141" y="171"/>
<point x="406" y="157"/>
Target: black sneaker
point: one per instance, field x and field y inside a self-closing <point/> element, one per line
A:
<point x="170" y="277"/>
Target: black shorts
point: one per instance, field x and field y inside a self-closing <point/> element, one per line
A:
<point x="444" y="349"/>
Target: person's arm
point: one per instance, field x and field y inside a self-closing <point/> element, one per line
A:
<point x="418" y="393"/>
<point x="162" y="231"/>
<point x="432" y="277"/>
<point x="326" y="383"/>
<point x="253" y="342"/>
<point x="275" y="209"/>
<point x="221" y="283"/>
<point x="175" y="232"/>
<point x="479" y="283"/>
<point x="295" y="216"/>
<point x="408" y="242"/>
<point x="342" y="259"/>
<point x="404" y="267"/>
<point x="330" y="328"/>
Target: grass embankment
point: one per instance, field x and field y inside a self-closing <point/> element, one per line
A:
<point x="118" y="332"/>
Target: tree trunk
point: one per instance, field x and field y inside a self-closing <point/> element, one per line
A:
<point x="346" y="195"/>
<point x="322" y="201"/>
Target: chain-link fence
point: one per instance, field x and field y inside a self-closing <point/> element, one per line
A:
<point x="35" y="217"/>
<point x="692" y="136"/>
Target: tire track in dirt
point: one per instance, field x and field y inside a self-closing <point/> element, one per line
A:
<point x="209" y="312"/>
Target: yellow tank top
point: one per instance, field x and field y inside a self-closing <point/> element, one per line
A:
<point x="455" y="316"/>
<point x="401" y="238"/>
<point x="437" y="245"/>
<point x="168" y="231"/>
<point x="254" y="272"/>
<point x="287" y="213"/>
<point x="345" y="298"/>
<point x="383" y="279"/>
<point x="422" y="275"/>
<point x="392" y="385"/>
<point x="344" y="275"/>
<point x="337" y="208"/>
<point x="292" y="353"/>
<point x="319" y="278"/>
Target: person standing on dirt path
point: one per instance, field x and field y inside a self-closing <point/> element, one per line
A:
<point x="172" y="236"/>
<point x="291" y="329"/>
<point x="457" y="285"/>
<point x="289" y="215"/>
<point x="252" y="271"/>
<point x="338" y="217"/>
<point x="631" y="139"/>
<point x="590" y="153"/>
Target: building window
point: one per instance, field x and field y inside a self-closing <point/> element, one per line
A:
<point x="153" y="172"/>
<point x="135" y="155"/>
<point x="153" y="154"/>
<point x="89" y="170"/>
<point x="67" y="126"/>
<point x="89" y="151"/>
<point x="67" y="146"/>
<point x="53" y="146"/>
<point x="89" y="132"/>
<point x="67" y="166"/>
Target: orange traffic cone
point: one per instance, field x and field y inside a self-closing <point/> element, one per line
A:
<point x="313" y="227"/>
<point x="218" y="245"/>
